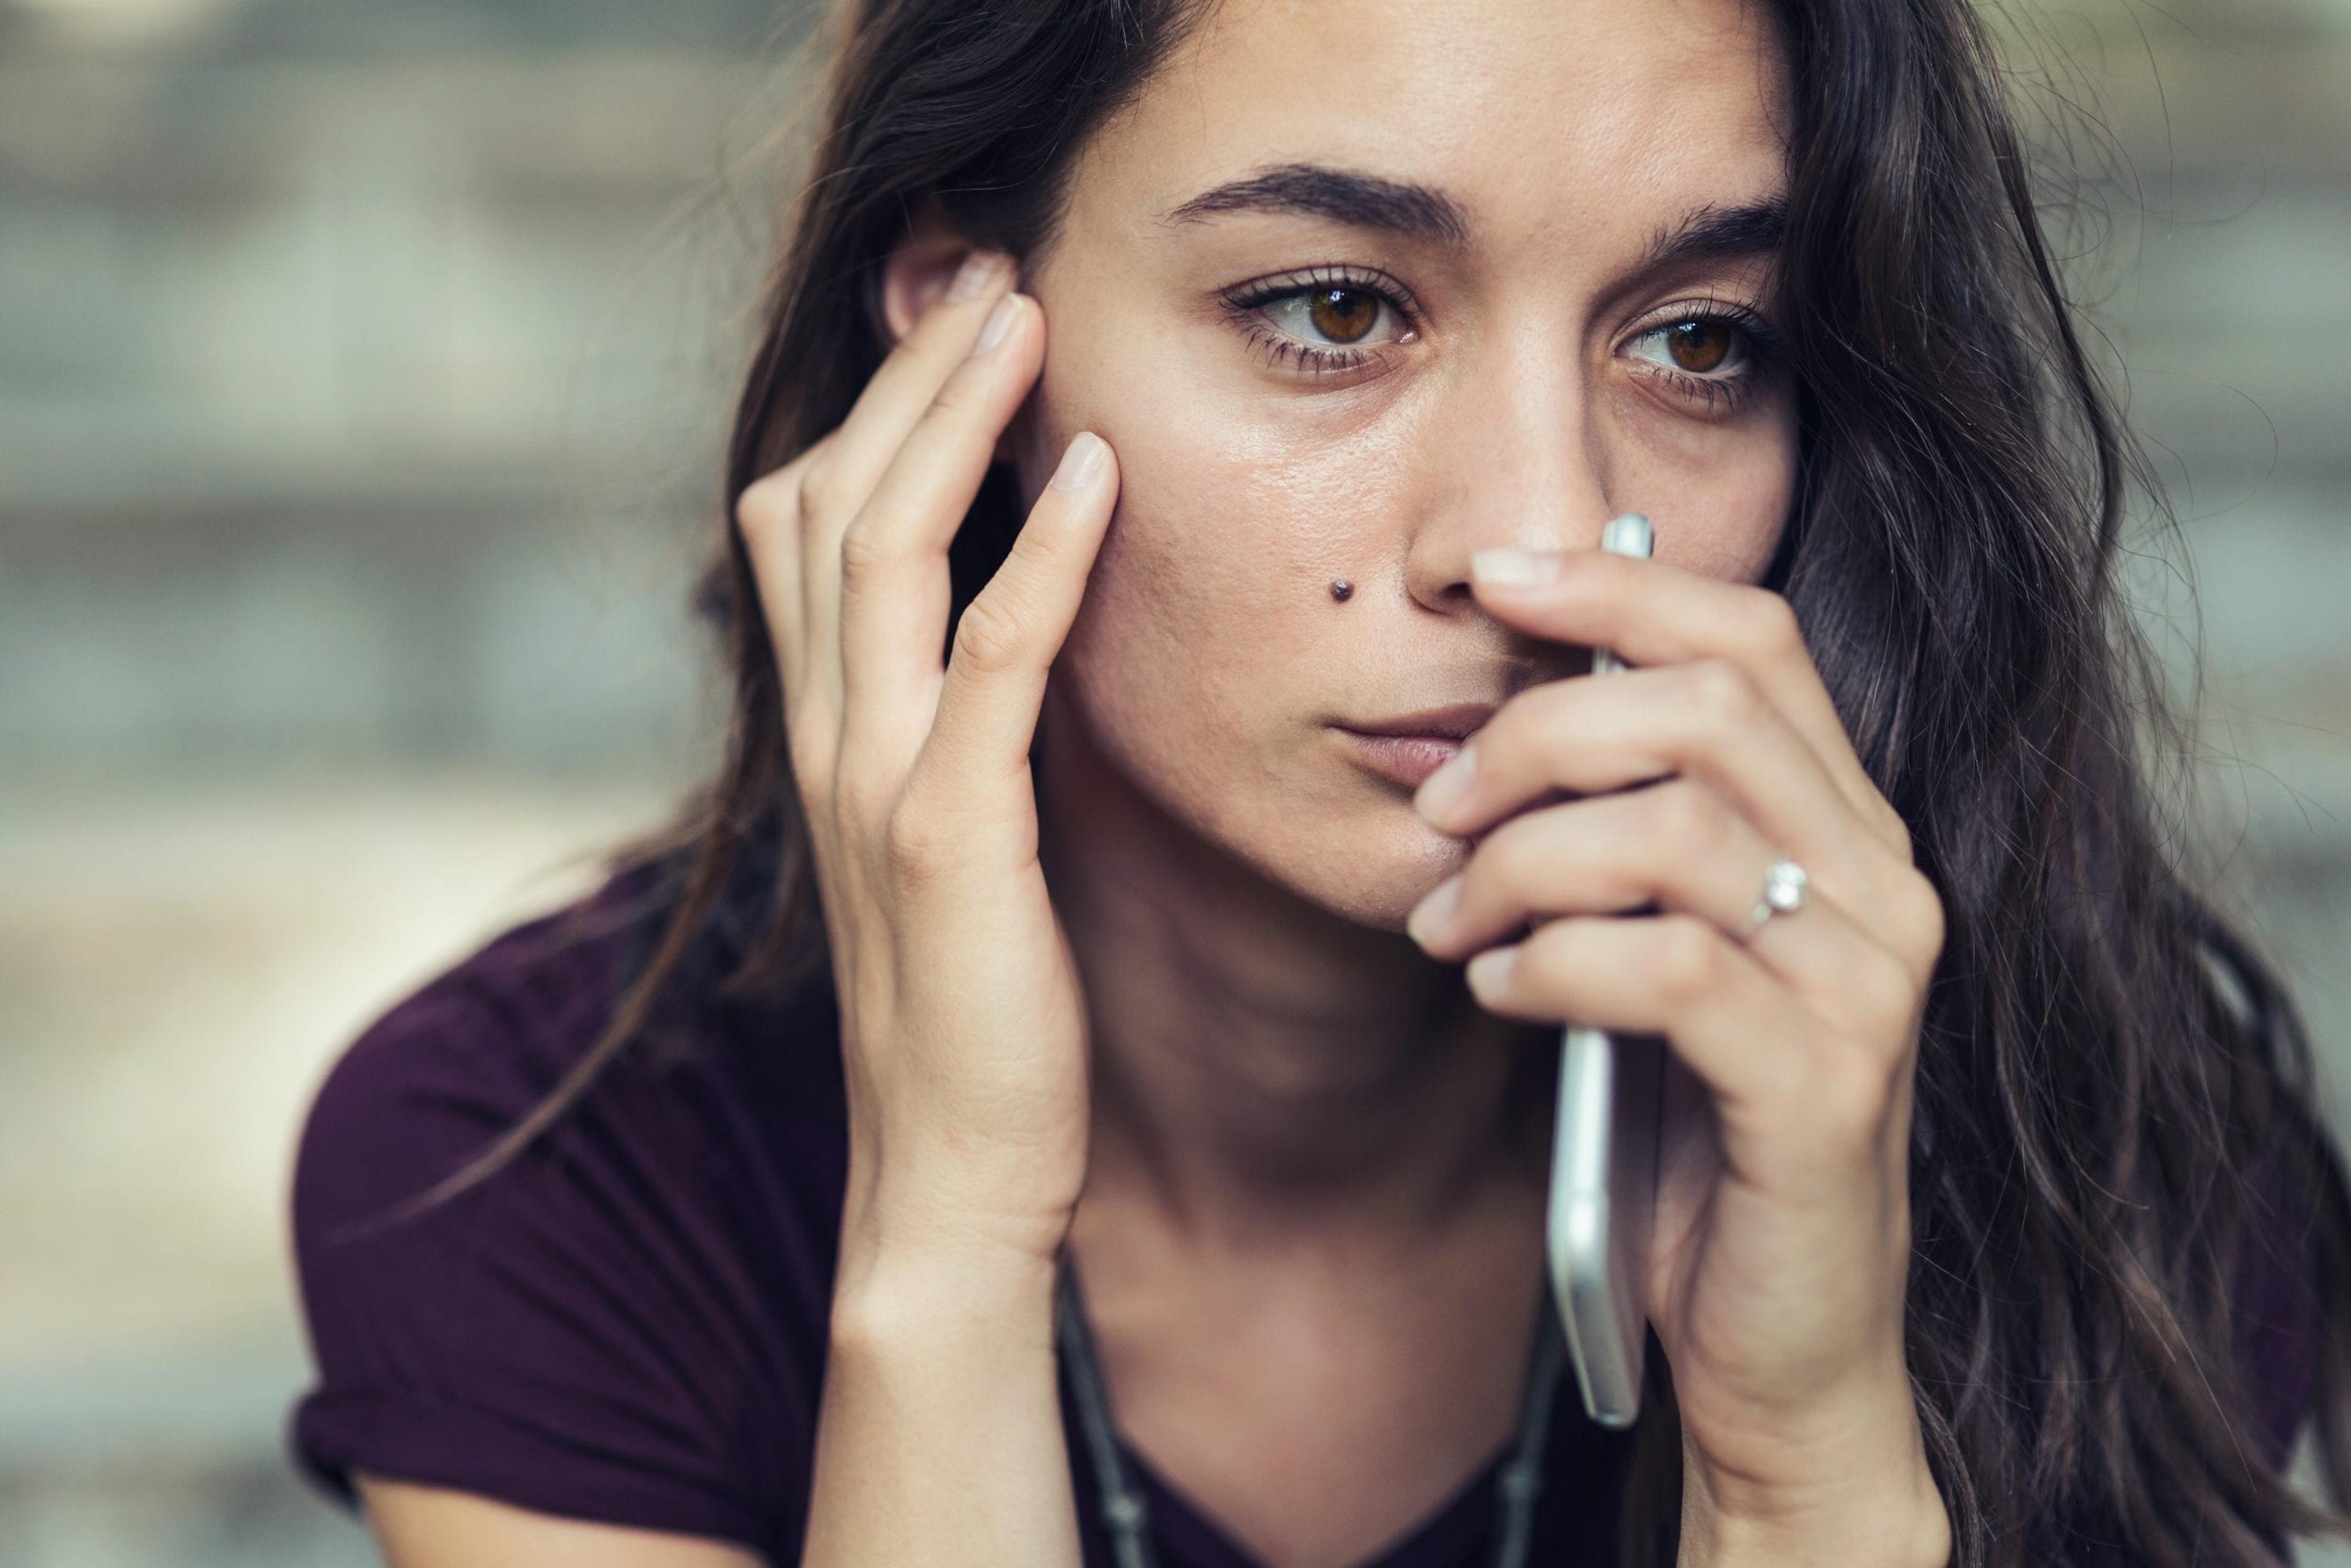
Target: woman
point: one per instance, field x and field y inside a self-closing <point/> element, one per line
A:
<point x="1265" y="375"/>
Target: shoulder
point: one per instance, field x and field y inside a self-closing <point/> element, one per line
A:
<point x="457" y="1062"/>
<point x="442" y="1074"/>
<point x="624" y="1322"/>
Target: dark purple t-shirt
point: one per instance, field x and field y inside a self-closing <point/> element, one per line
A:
<point x="628" y="1324"/>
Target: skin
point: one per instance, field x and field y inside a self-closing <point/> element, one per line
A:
<point x="1190" y="994"/>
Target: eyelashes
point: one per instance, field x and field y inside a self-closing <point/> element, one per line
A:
<point x="1716" y="353"/>
<point x="1321" y="300"/>
<point x="1327" y="321"/>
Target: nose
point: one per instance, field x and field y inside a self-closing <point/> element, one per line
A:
<point x="1516" y="462"/>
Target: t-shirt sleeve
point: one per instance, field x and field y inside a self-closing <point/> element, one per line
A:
<point x="598" y="1329"/>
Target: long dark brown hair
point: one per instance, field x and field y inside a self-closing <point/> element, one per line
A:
<point x="2113" y="1106"/>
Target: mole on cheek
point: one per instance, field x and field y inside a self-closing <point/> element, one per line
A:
<point x="1340" y="589"/>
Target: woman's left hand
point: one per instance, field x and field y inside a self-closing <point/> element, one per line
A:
<point x="1781" y="1242"/>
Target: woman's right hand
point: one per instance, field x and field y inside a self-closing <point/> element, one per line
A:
<point x="963" y="1026"/>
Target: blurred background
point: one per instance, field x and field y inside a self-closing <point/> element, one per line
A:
<point x="363" y="366"/>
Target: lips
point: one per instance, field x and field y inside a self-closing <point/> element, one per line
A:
<point x="1410" y="747"/>
<point x="1450" y="723"/>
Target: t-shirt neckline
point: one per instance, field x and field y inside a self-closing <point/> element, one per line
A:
<point x="1197" y="1538"/>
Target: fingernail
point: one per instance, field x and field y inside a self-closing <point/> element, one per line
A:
<point x="1449" y="785"/>
<point x="1079" y="461"/>
<point x="979" y="270"/>
<point x="998" y="322"/>
<point x="1490" y="971"/>
<point x="1433" y="910"/>
<point x="1514" y="567"/>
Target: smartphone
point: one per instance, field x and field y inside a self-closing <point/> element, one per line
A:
<point x="1603" y="1170"/>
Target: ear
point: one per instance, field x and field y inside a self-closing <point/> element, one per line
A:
<point x="920" y="267"/>
<point x="917" y="271"/>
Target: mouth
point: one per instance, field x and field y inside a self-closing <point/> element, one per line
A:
<point x="1408" y="748"/>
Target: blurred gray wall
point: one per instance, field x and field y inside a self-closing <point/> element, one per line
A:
<point x="363" y="370"/>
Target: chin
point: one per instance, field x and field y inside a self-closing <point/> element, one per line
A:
<point x="1366" y="857"/>
<point x="1313" y="825"/>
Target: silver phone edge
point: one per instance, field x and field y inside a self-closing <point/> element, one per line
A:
<point x="1606" y="1336"/>
<point x="1607" y="1367"/>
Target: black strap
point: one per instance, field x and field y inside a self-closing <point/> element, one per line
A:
<point x="1517" y="1486"/>
<point x="1123" y="1509"/>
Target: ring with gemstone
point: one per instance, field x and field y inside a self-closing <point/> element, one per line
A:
<point x="1784" y="893"/>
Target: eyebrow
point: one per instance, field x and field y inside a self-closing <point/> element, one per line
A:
<point x="1416" y="210"/>
<point x="1400" y="207"/>
<point x="1718" y="234"/>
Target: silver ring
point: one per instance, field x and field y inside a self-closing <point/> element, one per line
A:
<point x="1784" y="893"/>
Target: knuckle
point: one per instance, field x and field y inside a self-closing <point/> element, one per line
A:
<point x="1771" y="625"/>
<point x="1897" y="832"/>
<point x="1689" y="816"/>
<point x="1922" y="916"/>
<point x="1722" y="694"/>
<point x="1883" y="987"/>
<point x="822" y="483"/>
<point x="913" y="850"/>
<point x="861" y="556"/>
<point x="775" y="501"/>
<point x="859" y="797"/>
<point x="1848" y="1095"/>
<point x="988" y="639"/>
<point x="1688" y="957"/>
<point x="769" y="505"/>
<point x="963" y="397"/>
<point x="1512" y="736"/>
<point x="810" y="752"/>
<point x="1500" y="869"/>
<point x="1548" y="954"/>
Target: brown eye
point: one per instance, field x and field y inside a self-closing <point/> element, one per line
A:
<point x="1701" y="345"/>
<point x="1323" y="324"/>
<point x="1343" y="315"/>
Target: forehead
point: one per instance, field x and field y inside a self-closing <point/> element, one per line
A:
<point x="1541" y="120"/>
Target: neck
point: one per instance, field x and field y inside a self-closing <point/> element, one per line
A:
<point x="1263" y="1066"/>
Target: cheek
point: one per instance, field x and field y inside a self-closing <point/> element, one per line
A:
<point x="1230" y="528"/>
<point x="1208" y="647"/>
<point x="1720" y="495"/>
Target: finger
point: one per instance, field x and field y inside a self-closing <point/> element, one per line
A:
<point x="768" y="515"/>
<point x="896" y="590"/>
<point x="1677" y="846"/>
<point x="834" y="490"/>
<point x="1770" y="1064"/>
<point x="899" y="390"/>
<point x="1012" y="631"/>
<point x="1593" y="732"/>
<point x="1654" y="612"/>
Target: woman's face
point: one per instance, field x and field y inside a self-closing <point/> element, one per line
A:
<point x="1356" y="288"/>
